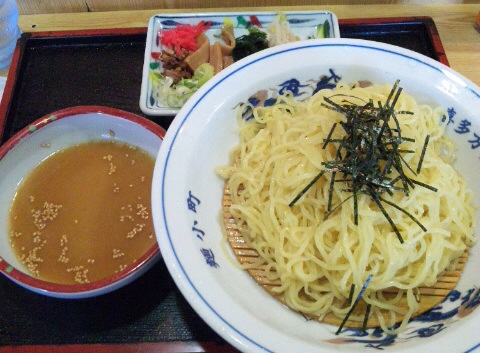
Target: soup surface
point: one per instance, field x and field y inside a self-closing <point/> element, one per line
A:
<point x="83" y="214"/>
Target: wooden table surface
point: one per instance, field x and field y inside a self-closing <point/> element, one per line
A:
<point x="455" y="24"/>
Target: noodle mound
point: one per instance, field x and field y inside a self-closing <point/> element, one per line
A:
<point x="317" y="261"/>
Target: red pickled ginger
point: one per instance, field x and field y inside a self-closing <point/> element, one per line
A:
<point x="182" y="38"/>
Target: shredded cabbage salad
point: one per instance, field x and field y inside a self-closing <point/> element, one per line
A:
<point x="175" y="95"/>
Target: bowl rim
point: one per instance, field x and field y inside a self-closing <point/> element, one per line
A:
<point x="188" y="287"/>
<point x="87" y="289"/>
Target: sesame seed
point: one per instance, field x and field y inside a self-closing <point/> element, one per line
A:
<point x="63" y="240"/>
<point x="31" y="260"/>
<point x="137" y="229"/>
<point x="63" y="258"/>
<point x="48" y="212"/>
<point x="142" y="211"/>
<point x="117" y="253"/>
<point x="14" y="234"/>
<point x="112" y="169"/>
<point x="80" y="274"/>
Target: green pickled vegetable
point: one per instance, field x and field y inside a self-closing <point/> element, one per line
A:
<point x="323" y="31"/>
<point x="203" y="73"/>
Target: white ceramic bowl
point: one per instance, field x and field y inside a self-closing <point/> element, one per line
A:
<point x="60" y="130"/>
<point x="187" y="197"/>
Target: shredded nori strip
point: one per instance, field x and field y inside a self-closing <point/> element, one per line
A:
<point x="387" y="216"/>
<point x="337" y="207"/>
<point x="330" y="192"/>
<point x="434" y="189"/>
<point x="369" y="157"/>
<point x="319" y="175"/>
<point x="350" y="296"/>
<point x="406" y="212"/>
<point x="365" y="319"/>
<point x="420" y="162"/>
<point x="327" y="140"/>
<point x="359" y="296"/>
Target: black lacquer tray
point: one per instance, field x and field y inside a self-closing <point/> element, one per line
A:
<point x="56" y="70"/>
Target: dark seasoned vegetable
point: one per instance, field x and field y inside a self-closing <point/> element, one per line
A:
<point x="250" y="43"/>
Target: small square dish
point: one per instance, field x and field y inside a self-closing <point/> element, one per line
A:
<point x="302" y="24"/>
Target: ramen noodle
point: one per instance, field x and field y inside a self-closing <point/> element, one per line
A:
<point x="318" y="256"/>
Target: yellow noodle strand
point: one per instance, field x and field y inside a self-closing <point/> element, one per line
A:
<point x="318" y="261"/>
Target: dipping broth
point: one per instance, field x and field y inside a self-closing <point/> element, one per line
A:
<point x="84" y="213"/>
